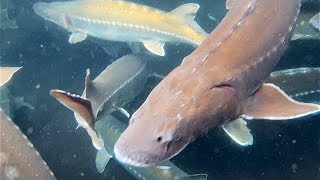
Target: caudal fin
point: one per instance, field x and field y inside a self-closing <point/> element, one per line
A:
<point x="188" y="13"/>
<point x="6" y="73"/>
<point x="75" y="103"/>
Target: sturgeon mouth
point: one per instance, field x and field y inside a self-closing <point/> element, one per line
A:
<point x="127" y="160"/>
<point x="140" y="159"/>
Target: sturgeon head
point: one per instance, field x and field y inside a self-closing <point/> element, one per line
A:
<point x="54" y="12"/>
<point x="159" y="130"/>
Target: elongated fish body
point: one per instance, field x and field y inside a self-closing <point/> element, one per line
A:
<point x="18" y="158"/>
<point x="118" y="84"/>
<point x="124" y="21"/>
<point x="220" y="84"/>
<point x="110" y="129"/>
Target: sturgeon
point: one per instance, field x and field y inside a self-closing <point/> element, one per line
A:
<point x="124" y="21"/>
<point x="117" y="85"/>
<point x="18" y="157"/>
<point x="110" y="129"/>
<point x="221" y="83"/>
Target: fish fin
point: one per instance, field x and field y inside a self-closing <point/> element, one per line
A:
<point x="194" y="177"/>
<point x="6" y="73"/>
<point x="270" y="102"/>
<point x="75" y="103"/>
<point x="158" y="75"/>
<point x="239" y="132"/>
<point x="122" y="111"/>
<point x="230" y="4"/>
<point x="88" y="83"/>
<point x="315" y="21"/>
<point x="102" y="159"/>
<point x="19" y="102"/>
<point x="163" y="167"/>
<point x="188" y="12"/>
<point x="76" y="37"/>
<point x="135" y="47"/>
<point x="155" y="47"/>
<point x="96" y="141"/>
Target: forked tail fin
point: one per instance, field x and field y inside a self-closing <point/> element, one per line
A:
<point x="188" y="12"/>
<point x="83" y="113"/>
<point x="75" y="103"/>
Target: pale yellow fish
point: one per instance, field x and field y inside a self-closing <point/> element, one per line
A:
<point x="124" y="21"/>
<point x="6" y="74"/>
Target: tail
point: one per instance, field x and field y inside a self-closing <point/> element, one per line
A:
<point x="83" y="113"/>
<point x="76" y="104"/>
<point x="188" y="12"/>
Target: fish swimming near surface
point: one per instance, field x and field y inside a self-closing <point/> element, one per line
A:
<point x="118" y="84"/>
<point x="124" y="21"/>
<point x="221" y="83"/>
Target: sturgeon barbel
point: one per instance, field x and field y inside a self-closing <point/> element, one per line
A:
<point x="124" y="21"/>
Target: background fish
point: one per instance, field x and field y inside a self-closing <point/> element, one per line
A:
<point x="124" y="21"/>
<point x="119" y="83"/>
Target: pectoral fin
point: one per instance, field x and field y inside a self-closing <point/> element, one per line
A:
<point x="270" y="102"/>
<point x="194" y="177"/>
<point x="102" y="159"/>
<point x="122" y="111"/>
<point x="75" y="103"/>
<point x="77" y="37"/>
<point x="239" y="132"/>
<point x="155" y="47"/>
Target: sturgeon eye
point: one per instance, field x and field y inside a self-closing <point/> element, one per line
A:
<point x="159" y="139"/>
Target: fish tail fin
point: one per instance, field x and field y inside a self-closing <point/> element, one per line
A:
<point x="102" y="159"/>
<point x="188" y="12"/>
<point x="75" y="103"/>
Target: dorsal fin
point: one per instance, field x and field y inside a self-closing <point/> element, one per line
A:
<point x="188" y="12"/>
<point x="87" y="82"/>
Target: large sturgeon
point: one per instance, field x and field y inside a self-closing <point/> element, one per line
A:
<point x="219" y="84"/>
<point x="18" y="157"/>
<point x="124" y="21"/>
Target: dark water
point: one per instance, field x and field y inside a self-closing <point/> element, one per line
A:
<point x="281" y="150"/>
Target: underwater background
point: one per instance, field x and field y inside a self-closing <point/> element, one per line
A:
<point x="281" y="150"/>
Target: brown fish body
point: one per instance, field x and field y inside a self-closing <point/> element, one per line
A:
<point x="241" y="53"/>
<point x="219" y="82"/>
